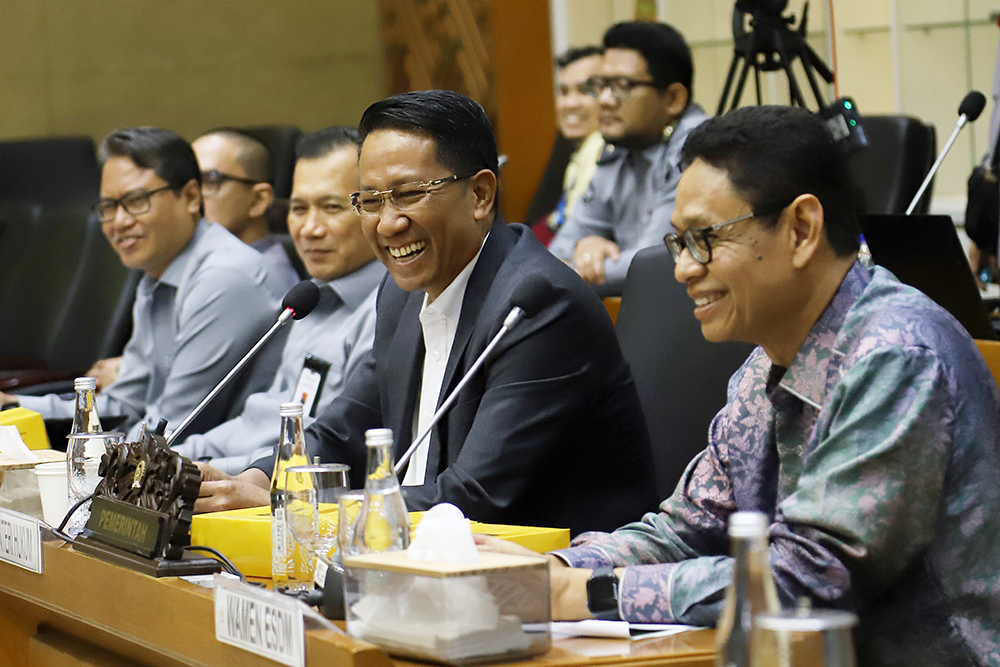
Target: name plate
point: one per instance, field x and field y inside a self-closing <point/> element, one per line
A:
<point x="262" y="622"/>
<point x="126" y="526"/>
<point x="20" y="540"/>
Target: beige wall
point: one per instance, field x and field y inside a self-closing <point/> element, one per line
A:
<point x="938" y="64"/>
<point x="89" y="66"/>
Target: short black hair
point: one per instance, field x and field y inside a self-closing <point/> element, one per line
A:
<point x="578" y="53"/>
<point x="166" y="153"/>
<point x="253" y="155"/>
<point x="773" y="154"/>
<point x="667" y="55"/>
<point x="323" y="142"/>
<point x="462" y="133"/>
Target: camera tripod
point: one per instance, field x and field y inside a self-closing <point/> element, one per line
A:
<point x="768" y="46"/>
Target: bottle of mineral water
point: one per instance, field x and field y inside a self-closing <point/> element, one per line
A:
<point x="291" y="567"/>
<point x="383" y="523"/>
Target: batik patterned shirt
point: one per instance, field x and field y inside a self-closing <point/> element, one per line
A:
<point x="875" y="453"/>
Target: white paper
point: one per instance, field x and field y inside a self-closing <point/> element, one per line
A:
<point x="12" y="446"/>
<point x="616" y="629"/>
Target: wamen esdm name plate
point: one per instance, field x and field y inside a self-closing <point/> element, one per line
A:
<point x="141" y="515"/>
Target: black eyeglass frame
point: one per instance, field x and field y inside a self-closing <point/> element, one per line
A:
<point x="141" y="198"/>
<point x="676" y="243"/>
<point x="597" y="84"/>
<point x="421" y="185"/>
<point x="217" y="178"/>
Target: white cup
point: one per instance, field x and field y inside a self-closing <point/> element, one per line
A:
<point x="53" y="486"/>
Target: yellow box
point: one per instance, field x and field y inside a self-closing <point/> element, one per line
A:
<point x="244" y="536"/>
<point x="29" y="424"/>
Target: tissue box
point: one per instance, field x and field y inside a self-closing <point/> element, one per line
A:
<point x="457" y="613"/>
<point x="245" y="536"/>
<point x="29" y="424"/>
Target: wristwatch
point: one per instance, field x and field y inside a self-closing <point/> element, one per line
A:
<point x="602" y="594"/>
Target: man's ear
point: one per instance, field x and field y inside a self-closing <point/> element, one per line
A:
<point x="191" y="194"/>
<point x="484" y="190"/>
<point x="675" y="99"/>
<point x="806" y="228"/>
<point x="263" y="198"/>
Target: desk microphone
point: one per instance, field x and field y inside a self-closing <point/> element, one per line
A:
<point x="527" y="299"/>
<point x="298" y="303"/>
<point x="970" y="108"/>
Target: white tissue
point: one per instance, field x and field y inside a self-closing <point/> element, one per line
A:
<point x="444" y="535"/>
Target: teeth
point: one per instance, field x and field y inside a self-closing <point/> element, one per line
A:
<point x="705" y="300"/>
<point x="407" y="250"/>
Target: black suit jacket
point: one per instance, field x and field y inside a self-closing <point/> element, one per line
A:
<point x="549" y="432"/>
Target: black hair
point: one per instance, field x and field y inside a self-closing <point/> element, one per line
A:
<point x="462" y="133"/>
<point x="578" y="53"/>
<point x="166" y="153"/>
<point x="667" y="55"/>
<point x="326" y="141"/>
<point x="252" y="154"/>
<point x="773" y="154"/>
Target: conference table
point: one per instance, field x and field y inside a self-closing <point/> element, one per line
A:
<point x="83" y="611"/>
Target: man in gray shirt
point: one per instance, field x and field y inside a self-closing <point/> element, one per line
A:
<point x="323" y="349"/>
<point x="202" y="303"/>
<point x="645" y="115"/>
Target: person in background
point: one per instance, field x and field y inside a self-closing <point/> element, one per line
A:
<point x="866" y="425"/>
<point x="646" y="113"/>
<point x="577" y="145"/>
<point x="203" y="302"/>
<point x="323" y="349"/>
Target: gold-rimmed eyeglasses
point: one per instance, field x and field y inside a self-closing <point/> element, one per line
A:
<point x="402" y="197"/>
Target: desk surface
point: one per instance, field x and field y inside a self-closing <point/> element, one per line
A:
<point x="170" y="622"/>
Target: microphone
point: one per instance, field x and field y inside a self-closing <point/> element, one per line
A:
<point x="970" y="108"/>
<point x="299" y="302"/>
<point x="528" y="298"/>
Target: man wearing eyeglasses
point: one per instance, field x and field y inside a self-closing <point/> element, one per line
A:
<point x="236" y="171"/>
<point x="866" y="425"/>
<point x="202" y="303"/>
<point x="646" y="113"/>
<point x="549" y="431"/>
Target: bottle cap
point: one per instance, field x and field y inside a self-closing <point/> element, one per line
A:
<point x="293" y="409"/>
<point x="747" y="524"/>
<point x="375" y="437"/>
<point x="84" y="383"/>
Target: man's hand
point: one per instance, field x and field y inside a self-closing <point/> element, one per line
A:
<point x="589" y="256"/>
<point x="569" y="585"/>
<point x="7" y="398"/>
<point x="220" y="491"/>
<point x="105" y="371"/>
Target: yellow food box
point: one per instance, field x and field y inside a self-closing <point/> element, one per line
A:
<point x="244" y="536"/>
<point x="29" y="424"/>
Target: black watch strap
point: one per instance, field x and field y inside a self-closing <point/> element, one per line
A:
<point x="602" y="594"/>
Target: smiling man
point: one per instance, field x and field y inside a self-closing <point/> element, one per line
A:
<point x="645" y="113"/>
<point x="866" y="425"/>
<point x="549" y="431"/>
<point x="203" y="301"/>
<point x="322" y="350"/>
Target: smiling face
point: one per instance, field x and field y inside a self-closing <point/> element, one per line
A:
<point x="326" y="231"/>
<point x="748" y="290"/>
<point x="428" y="245"/>
<point x="577" y="111"/>
<point x="149" y="241"/>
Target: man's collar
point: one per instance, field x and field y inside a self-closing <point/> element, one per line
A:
<point x="807" y="376"/>
<point x="355" y="287"/>
<point x="449" y="302"/>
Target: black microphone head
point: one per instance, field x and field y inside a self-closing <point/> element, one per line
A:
<point x="301" y="299"/>
<point x="531" y="295"/>
<point x="972" y="105"/>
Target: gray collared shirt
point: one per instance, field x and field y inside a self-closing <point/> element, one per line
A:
<point x="629" y="200"/>
<point x="282" y="275"/>
<point x="190" y="328"/>
<point x="339" y="331"/>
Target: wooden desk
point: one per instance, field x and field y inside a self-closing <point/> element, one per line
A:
<point x="128" y="618"/>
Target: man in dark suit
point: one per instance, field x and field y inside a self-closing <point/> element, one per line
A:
<point x="550" y="430"/>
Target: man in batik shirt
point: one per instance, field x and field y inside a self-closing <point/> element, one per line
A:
<point x="865" y="425"/>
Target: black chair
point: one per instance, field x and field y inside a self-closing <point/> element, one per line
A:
<point x="888" y="173"/>
<point x="52" y="171"/>
<point x="680" y="376"/>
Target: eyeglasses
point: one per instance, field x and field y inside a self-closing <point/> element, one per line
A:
<point x="621" y="86"/>
<point x="213" y="179"/>
<point x="135" y="202"/>
<point x="698" y="242"/>
<point x="403" y="197"/>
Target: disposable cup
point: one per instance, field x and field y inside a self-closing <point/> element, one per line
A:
<point x="53" y="486"/>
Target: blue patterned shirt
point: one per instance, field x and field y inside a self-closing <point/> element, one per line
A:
<point x="876" y="456"/>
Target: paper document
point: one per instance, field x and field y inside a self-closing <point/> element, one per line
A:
<point x="616" y="629"/>
<point x="12" y="446"/>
